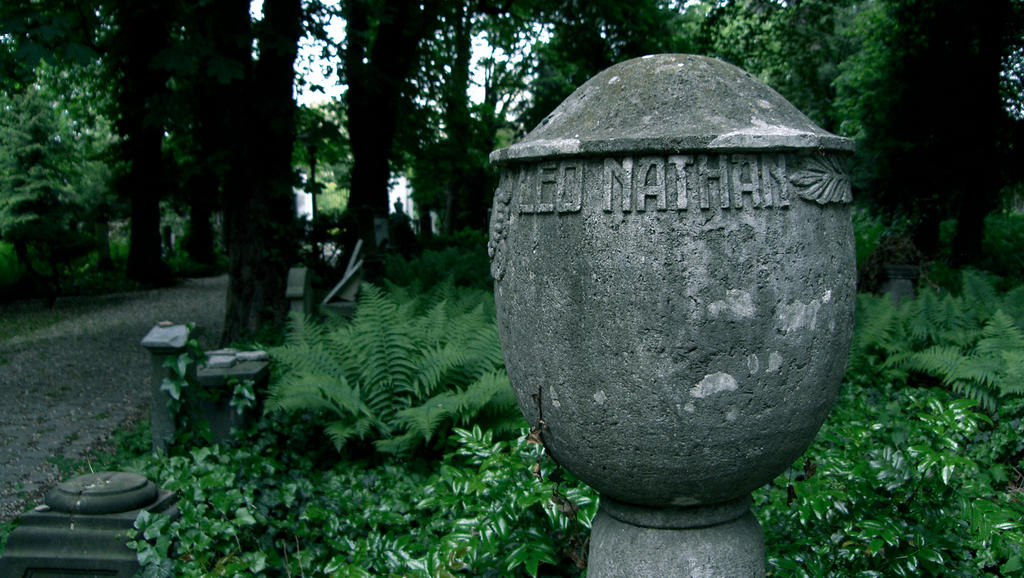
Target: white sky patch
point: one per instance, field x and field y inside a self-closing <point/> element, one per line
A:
<point x="477" y="74"/>
<point x="323" y="73"/>
<point x="318" y="71"/>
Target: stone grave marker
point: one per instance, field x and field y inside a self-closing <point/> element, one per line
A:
<point x="164" y="341"/>
<point x="672" y="250"/>
<point x="82" y="528"/>
<point x="299" y="291"/>
<point x="342" y="297"/>
<point x="222" y="370"/>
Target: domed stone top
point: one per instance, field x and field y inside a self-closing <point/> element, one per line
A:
<point x="695" y="103"/>
<point x="102" y="493"/>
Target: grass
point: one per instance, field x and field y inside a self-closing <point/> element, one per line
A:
<point x="26" y="317"/>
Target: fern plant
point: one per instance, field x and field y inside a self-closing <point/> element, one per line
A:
<point x="406" y="367"/>
<point x="984" y="370"/>
<point x="972" y="342"/>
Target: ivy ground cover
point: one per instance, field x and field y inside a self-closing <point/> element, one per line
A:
<point x="917" y="472"/>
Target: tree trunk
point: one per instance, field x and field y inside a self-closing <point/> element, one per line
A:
<point x="224" y="26"/>
<point x="457" y="121"/>
<point x="21" y="252"/>
<point x="984" y="49"/>
<point x="259" y="207"/>
<point x="200" y="231"/>
<point x="143" y="31"/>
<point x="376" y="75"/>
<point x="426" y="228"/>
<point x="101" y="229"/>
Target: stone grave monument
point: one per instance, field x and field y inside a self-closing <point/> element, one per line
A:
<point x="299" y="291"/>
<point x="164" y="341"/>
<point x="672" y="251"/>
<point x="217" y="376"/>
<point x="82" y="528"/>
<point x="341" y="299"/>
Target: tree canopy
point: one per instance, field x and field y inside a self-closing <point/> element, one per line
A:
<point x="48" y="184"/>
<point x="198" y="101"/>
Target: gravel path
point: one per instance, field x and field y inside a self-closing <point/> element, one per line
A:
<point x="64" y="388"/>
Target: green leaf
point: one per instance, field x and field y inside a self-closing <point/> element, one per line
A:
<point x="404" y="371"/>
<point x="255" y="562"/>
<point x="1014" y="565"/>
<point x="931" y="555"/>
<point x="183" y="362"/>
<point x="530" y="555"/>
<point x="947" y="473"/>
<point x="176" y="60"/>
<point x="172" y="387"/>
<point x="243" y="517"/>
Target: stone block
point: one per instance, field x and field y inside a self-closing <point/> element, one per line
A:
<point x="299" y="290"/>
<point x="164" y="340"/>
<point x="81" y="529"/>
<point x="223" y="369"/>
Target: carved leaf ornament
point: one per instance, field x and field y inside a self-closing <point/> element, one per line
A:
<point x="496" y="249"/>
<point x="823" y="179"/>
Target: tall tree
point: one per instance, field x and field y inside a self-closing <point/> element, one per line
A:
<point x="321" y="144"/>
<point x="130" y="37"/>
<point x="141" y="34"/>
<point x="989" y="37"/>
<point x="214" y="50"/>
<point x="795" y="47"/>
<point x="259" y="205"/>
<point x="41" y="212"/>
<point x="382" y="42"/>
<point x="457" y="121"/>
<point x="51" y="53"/>
<point x="449" y="167"/>
<point x="924" y="96"/>
<point x="237" y="101"/>
<point x="54" y="32"/>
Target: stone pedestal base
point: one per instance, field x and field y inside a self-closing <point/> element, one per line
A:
<point x="163" y="341"/>
<point x="899" y="282"/>
<point x="722" y="541"/>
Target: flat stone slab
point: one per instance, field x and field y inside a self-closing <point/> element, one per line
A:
<point x="165" y="338"/>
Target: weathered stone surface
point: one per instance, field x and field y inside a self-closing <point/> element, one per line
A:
<point x="299" y="290"/>
<point x="681" y="316"/>
<point x="102" y="493"/>
<point x="164" y="340"/>
<point x="733" y="549"/>
<point x="673" y="259"/>
<point x="679" y="345"/>
<point x="231" y="367"/>
<point x="671" y="103"/>
<point x="83" y="528"/>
